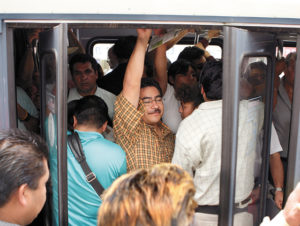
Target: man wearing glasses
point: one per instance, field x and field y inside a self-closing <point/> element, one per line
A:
<point x="138" y="111"/>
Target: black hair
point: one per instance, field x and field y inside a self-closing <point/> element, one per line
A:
<point x="71" y="110"/>
<point x="124" y="47"/>
<point x="191" y="53"/>
<point x="260" y="65"/>
<point x="22" y="155"/>
<point x="90" y="110"/>
<point x="150" y="82"/>
<point x="211" y="79"/>
<point x="83" y="58"/>
<point x="186" y="93"/>
<point x="180" y="66"/>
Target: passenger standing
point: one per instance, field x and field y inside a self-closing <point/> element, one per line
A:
<point x="84" y="70"/>
<point x="198" y="149"/>
<point x="106" y="160"/>
<point x="138" y="111"/>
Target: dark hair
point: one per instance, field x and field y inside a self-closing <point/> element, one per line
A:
<point x="90" y="110"/>
<point x="150" y="82"/>
<point x="211" y="79"/>
<point x="180" y="66"/>
<point x="71" y="110"/>
<point x="83" y="58"/>
<point x="124" y="47"/>
<point x="191" y="53"/>
<point x="260" y="65"/>
<point x="21" y="161"/>
<point x="289" y="57"/>
<point x="192" y="94"/>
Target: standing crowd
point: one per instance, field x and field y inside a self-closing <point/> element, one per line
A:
<point x="126" y="122"/>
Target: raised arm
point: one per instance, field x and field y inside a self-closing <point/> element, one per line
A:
<point x="160" y="66"/>
<point x="134" y="70"/>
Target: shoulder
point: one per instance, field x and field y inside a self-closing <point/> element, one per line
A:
<point x="105" y="94"/>
<point x="73" y="95"/>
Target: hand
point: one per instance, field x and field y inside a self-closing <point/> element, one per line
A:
<point x="33" y="35"/>
<point x="144" y="34"/>
<point x="159" y="31"/>
<point x="213" y="33"/>
<point x="21" y="112"/>
<point x="255" y="194"/>
<point x="291" y="210"/>
<point x="278" y="199"/>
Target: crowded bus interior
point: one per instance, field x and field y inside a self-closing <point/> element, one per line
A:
<point x="221" y="101"/>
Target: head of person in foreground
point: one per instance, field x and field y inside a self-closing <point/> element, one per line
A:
<point x="161" y="196"/>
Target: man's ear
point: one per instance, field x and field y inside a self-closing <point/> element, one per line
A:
<point x="23" y="194"/>
<point x="74" y="122"/>
<point x="103" y="127"/>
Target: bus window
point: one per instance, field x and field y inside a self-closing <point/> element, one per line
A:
<point x="100" y="54"/>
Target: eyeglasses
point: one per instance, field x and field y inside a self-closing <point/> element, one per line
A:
<point x="148" y="101"/>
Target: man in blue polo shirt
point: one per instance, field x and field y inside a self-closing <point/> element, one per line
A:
<point x="106" y="160"/>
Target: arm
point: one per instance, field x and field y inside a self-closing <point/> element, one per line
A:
<point x="160" y="67"/>
<point x="31" y="123"/>
<point x="277" y="173"/>
<point x="134" y="70"/>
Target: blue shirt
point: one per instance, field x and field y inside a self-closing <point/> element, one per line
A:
<point x="107" y="161"/>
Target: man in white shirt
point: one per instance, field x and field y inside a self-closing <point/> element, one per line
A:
<point x="198" y="149"/>
<point x="84" y="70"/>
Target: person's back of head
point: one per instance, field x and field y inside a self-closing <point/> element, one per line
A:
<point x="84" y="58"/>
<point x="124" y="47"/>
<point x="191" y="53"/>
<point x="90" y="111"/>
<point x="161" y="196"/>
<point x="211" y="80"/>
<point x="23" y="170"/>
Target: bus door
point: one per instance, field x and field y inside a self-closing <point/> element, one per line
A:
<point x="247" y="101"/>
<point x="53" y="59"/>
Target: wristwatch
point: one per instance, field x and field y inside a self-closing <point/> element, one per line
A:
<point x="278" y="189"/>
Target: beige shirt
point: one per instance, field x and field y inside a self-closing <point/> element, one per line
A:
<point x="198" y="149"/>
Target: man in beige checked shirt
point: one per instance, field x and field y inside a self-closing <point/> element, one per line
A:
<point x="198" y="150"/>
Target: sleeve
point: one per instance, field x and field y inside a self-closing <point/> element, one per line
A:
<point x="126" y="121"/>
<point x="24" y="100"/>
<point x="275" y="143"/>
<point x="185" y="153"/>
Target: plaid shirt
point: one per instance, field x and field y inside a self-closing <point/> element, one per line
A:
<point x="143" y="146"/>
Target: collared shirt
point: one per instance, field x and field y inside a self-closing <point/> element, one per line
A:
<point x="282" y="118"/>
<point x="143" y="146"/>
<point x="171" y="116"/>
<point x="198" y="149"/>
<point x="108" y="98"/>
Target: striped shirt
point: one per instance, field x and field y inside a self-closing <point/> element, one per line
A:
<point x="143" y="146"/>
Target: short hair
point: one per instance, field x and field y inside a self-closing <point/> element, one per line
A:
<point x="150" y="82"/>
<point x="84" y="58"/>
<point x="124" y="46"/>
<point x="90" y="110"/>
<point x="211" y="79"/>
<point x="186" y="93"/>
<point x="180" y="66"/>
<point x="260" y="65"/>
<point x="160" y="196"/>
<point x="21" y="161"/>
<point x="191" y="53"/>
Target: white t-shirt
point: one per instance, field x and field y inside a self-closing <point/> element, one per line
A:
<point x="108" y="98"/>
<point x="171" y="116"/>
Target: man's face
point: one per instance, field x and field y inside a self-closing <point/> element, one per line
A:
<point x="257" y="81"/>
<point x="186" y="109"/>
<point x="85" y="78"/>
<point x="38" y="195"/>
<point x="188" y="79"/>
<point x="154" y="107"/>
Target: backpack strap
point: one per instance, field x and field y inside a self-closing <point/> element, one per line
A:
<point x="76" y="148"/>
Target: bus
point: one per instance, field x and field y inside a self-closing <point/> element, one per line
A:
<point x="250" y="31"/>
